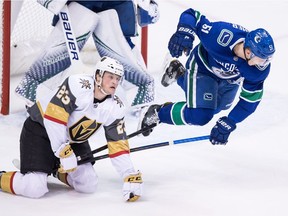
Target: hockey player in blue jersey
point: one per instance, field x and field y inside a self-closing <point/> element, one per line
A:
<point x="111" y="34"/>
<point x="228" y="56"/>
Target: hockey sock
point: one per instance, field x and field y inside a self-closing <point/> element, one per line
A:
<point x="6" y="179"/>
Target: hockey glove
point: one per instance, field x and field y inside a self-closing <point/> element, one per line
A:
<point x="68" y="160"/>
<point x="181" y="41"/>
<point x="221" y="131"/>
<point x="132" y="187"/>
<point x="147" y="12"/>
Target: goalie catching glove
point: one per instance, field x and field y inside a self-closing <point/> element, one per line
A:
<point x="68" y="160"/>
<point x="132" y="187"/>
<point x="147" y="12"/>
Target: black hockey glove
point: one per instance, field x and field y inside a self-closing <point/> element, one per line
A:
<point x="221" y="131"/>
<point x="181" y="41"/>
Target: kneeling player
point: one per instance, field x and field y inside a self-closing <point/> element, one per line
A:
<point x="58" y="129"/>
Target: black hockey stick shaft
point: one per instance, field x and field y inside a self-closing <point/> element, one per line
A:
<point x="141" y="131"/>
<point x="156" y="145"/>
<point x="82" y="157"/>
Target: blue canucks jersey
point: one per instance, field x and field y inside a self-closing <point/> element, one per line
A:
<point x="215" y="57"/>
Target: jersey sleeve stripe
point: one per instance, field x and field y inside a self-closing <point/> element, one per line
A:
<point x="55" y="120"/>
<point x="7" y="182"/>
<point x="56" y="113"/>
<point x="118" y="147"/>
<point x="118" y="154"/>
<point x="251" y="96"/>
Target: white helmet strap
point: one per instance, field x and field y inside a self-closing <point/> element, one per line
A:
<point x="99" y="85"/>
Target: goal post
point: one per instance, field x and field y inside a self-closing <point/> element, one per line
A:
<point x="5" y="63"/>
<point x="144" y="45"/>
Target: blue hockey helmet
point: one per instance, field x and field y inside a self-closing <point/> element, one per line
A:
<point x="260" y="43"/>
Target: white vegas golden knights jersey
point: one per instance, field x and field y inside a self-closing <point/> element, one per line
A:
<point x="71" y="114"/>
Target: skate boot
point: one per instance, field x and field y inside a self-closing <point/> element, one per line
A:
<point x="172" y="72"/>
<point x="149" y="119"/>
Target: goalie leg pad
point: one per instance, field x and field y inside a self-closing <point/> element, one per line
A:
<point x="117" y="47"/>
<point x="55" y="57"/>
<point x="145" y="94"/>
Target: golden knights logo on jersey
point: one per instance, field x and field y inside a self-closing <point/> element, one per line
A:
<point x="83" y="129"/>
<point x="85" y="84"/>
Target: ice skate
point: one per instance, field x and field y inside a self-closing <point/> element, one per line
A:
<point x="172" y="72"/>
<point x="149" y="117"/>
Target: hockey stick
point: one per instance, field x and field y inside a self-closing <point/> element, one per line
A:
<point x="72" y="49"/>
<point x="155" y="145"/>
<point x="82" y="157"/>
<point x="70" y="38"/>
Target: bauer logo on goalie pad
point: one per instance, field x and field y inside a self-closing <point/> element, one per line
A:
<point x="72" y="44"/>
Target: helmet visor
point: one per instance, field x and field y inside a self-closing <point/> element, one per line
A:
<point x="260" y="61"/>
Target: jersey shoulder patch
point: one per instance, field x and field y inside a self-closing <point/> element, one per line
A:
<point x="118" y="101"/>
<point x="81" y="86"/>
<point x="118" y="110"/>
<point x="81" y="82"/>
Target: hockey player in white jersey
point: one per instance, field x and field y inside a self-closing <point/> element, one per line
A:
<point x="58" y="129"/>
<point x="111" y="31"/>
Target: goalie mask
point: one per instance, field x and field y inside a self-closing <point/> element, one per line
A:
<point x="107" y="64"/>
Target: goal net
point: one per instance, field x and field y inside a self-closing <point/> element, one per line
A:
<point x="25" y="26"/>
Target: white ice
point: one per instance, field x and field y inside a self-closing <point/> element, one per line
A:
<point x="247" y="177"/>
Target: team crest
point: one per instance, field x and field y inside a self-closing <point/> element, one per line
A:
<point x="208" y="96"/>
<point x="118" y="100"/>
<point x="83" y="129"/>
<point x="85" y="84"/>
<point x="225" y="37"/>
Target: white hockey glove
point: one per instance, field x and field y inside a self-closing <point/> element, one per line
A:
<point x="132" y="187"/>
<point x="148" y="12"/>
<point x="54" y="6"/>
<point x="68" y="160"/>
<point x="146" y="3"/>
